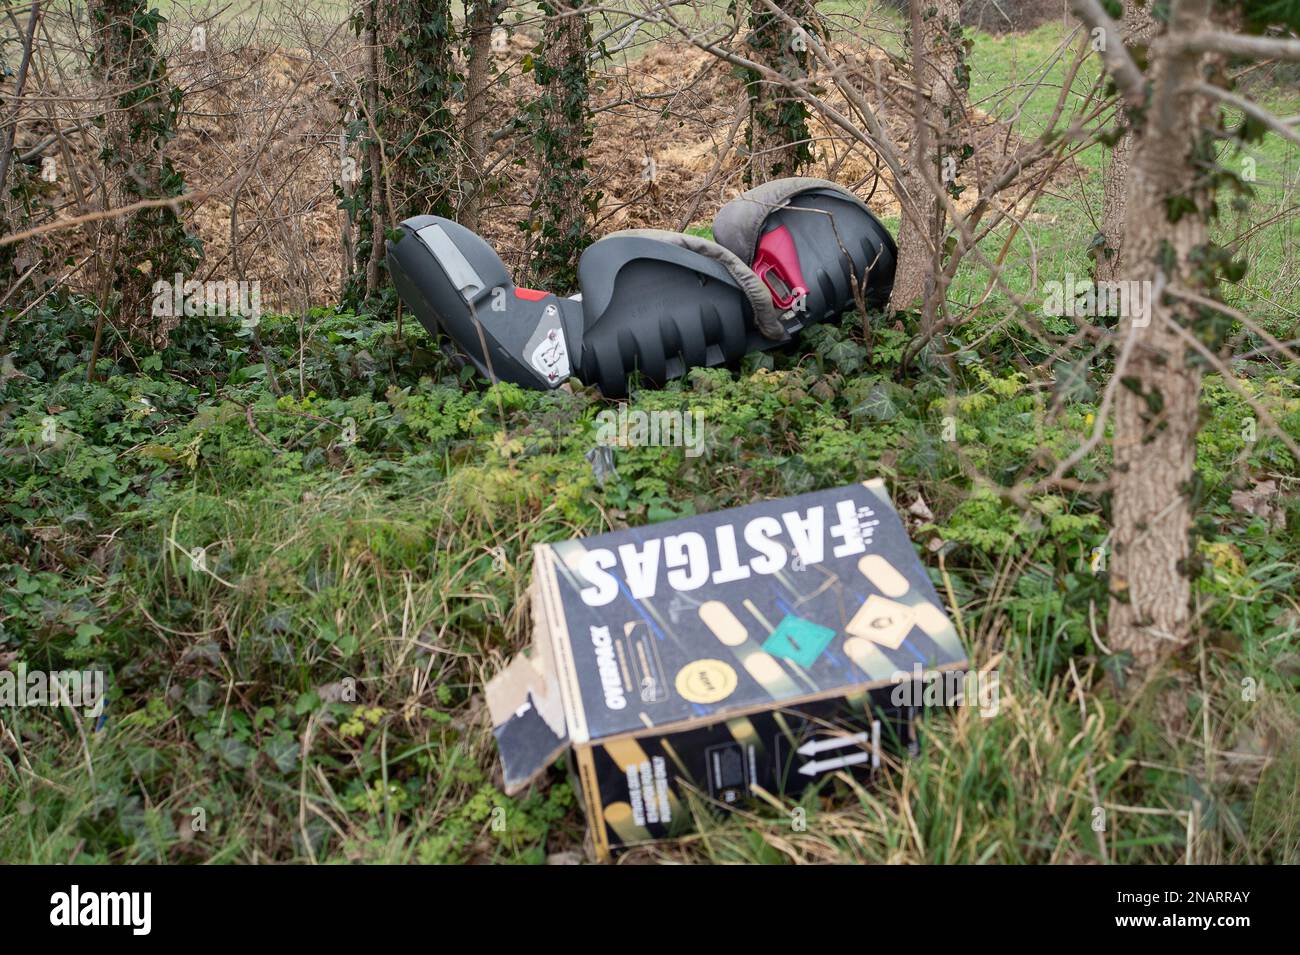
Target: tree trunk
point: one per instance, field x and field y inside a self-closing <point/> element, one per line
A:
<point x="9" y="254"/>
<point x="779" y="144"/>
<point x="564" y="186"/>
<point x="482" y="18"/>
<point x="374" y="154"/>
<point x="140" y="116"/>
<point x="1138" y="27"/>
<point x="940" y="80"/>
<point x="346" y="185"/>
<point x="1157" y="406"/>
<point x="409" y="150"/>
<point x="416" y="77"/>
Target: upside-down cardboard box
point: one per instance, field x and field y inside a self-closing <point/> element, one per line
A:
<point x="739" y="654"/>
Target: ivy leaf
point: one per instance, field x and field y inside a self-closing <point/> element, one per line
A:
<point x="846" y="356"/>
<point x="86" y="632"/>
<point x="234" y="752"/>
<point x="282" y="750"/>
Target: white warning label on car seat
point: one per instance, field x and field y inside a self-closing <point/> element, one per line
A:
<point x="548" y="353"/>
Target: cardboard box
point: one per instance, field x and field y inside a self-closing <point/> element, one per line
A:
<point x="737" y="655"/>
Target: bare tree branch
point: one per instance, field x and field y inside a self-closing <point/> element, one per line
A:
<point x="7" y="151"/>
<point x="1132" y="84"/>
<point x="1234" y="44"/>
<point x="1251" y="109"/>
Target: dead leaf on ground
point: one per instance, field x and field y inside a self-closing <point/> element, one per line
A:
<point x="1260" y="500"/>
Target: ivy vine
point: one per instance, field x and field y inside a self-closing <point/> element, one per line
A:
<point x="780" y="118"/>
<point x="413" y="120"/>
<point x="560" y="121"/>
<point x="154" y="242"/>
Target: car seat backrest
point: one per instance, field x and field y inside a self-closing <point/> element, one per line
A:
<point x="766" y="315"/>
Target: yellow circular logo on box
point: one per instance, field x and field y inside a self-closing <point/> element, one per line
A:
<point x="706" y="681"/>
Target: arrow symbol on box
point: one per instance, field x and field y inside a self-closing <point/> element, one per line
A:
<point x="814" y="746"/>
<point x="839" y="762"/>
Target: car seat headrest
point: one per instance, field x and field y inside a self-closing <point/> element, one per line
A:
<point x="738" y="225"/>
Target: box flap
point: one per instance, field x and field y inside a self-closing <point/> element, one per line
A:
<point x="527" y="707"/>
<point x="527" y="721"/>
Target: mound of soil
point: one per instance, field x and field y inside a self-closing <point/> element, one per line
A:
<point x="262" y="130"/>
<point x="669" y="145"/>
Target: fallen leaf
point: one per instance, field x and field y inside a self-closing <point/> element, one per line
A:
<point x="1260" y="501"/>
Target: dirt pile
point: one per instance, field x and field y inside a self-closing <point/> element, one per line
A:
<point x="262" y="131"/>
<point x="669" y="144"/>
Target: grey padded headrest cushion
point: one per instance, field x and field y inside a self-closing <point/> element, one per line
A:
<point x="766" y="315"/>
<point x="737" y="224"/>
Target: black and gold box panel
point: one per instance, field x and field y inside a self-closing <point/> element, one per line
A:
<point x="642" y="788"/>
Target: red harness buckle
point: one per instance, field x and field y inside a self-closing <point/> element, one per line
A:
<point x="777" y="257"/>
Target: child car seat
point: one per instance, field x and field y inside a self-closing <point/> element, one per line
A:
<point x="788" y="253"/>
